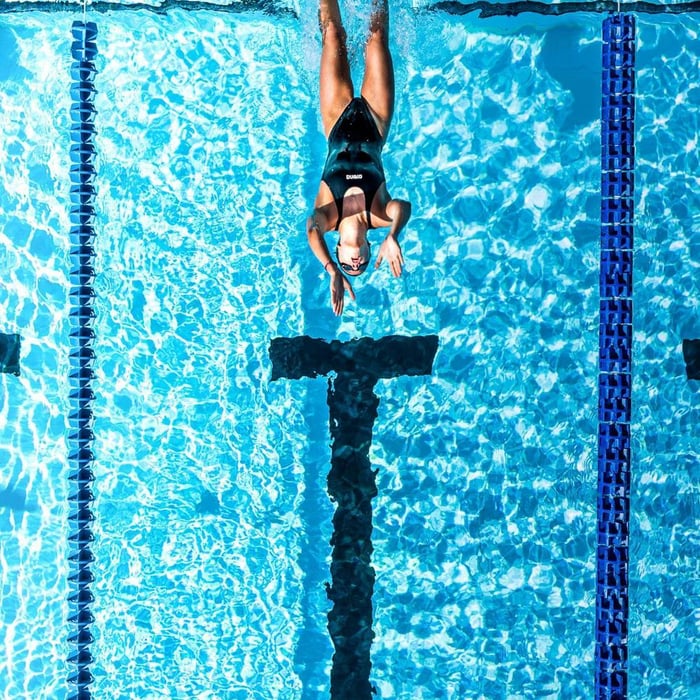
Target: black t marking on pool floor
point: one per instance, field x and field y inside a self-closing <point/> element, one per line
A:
<point x="9" y="353"/>
<point x="352" y="403"/>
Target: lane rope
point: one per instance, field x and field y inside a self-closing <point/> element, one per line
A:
<point x="81" y="357"/>
<point x="615" y="356"/>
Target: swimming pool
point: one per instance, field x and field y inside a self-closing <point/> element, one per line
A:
<point x="213" y="519"/>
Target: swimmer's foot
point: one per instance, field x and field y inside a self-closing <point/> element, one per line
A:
<point x="379" y="16"/>
<point x="328" y="11"/>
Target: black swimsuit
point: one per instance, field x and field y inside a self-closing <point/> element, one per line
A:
<point x="354" y="156"/>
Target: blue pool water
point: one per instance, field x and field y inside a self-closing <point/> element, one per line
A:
<point x="213" y="519"/>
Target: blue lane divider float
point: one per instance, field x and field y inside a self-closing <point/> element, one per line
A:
<point x="82" y="314"/>
<point x="615" y="356"/>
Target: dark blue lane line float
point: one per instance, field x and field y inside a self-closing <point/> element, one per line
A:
<point x="82" y="314"/>
<point x="615" y="356"/>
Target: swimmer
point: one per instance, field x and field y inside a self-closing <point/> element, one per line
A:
<point x="352" y="196"/>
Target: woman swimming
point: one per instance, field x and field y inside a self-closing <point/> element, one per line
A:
<point x="352" y="197"/>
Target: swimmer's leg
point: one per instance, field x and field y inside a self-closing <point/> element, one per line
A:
<point x="336" y="85"/>
<point x="378" y="83"/>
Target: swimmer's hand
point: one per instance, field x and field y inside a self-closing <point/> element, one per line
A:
<point x="339" y="285"/>
<point x="391" y="250"/>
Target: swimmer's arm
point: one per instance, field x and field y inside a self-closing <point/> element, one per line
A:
<point x="399" y="212"/>
<point x="316" y="226"/>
